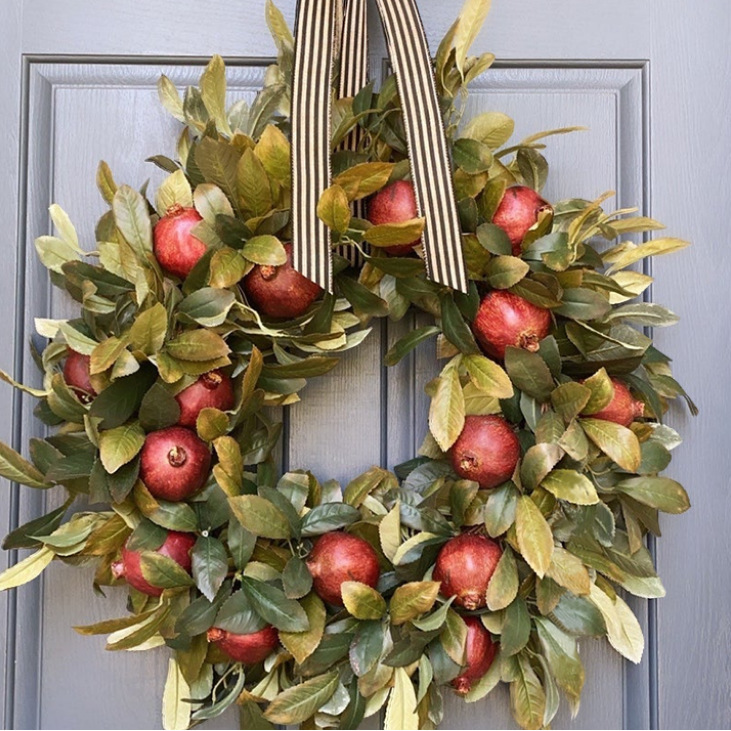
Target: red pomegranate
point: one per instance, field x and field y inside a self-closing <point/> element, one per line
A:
<point x="486" y="451"/>
<point x="623" y="408"/>
<point x="280" y="292"/>
<point x="77" y="376"/>
<point x="394" y="204"/>
<point x="465" y="565"/>
<point x="517" y="212"/>
<point x="174" y="463"/>
<point x="338" y="557"/>
<point x="505" y="319"/>
<point x="481" y="651"/>
<point x="212" y="390"/>
<point x="176" y="546"/>
<point x="249" y="649"/>
<point x="175" y="247"/>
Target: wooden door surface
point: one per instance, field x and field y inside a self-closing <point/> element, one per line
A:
<point x="77" y="84"/>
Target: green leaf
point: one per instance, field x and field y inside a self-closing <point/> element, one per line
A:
<point x="578" y="616"/>
<point x="568" y="570"/>
<point x="362" y="601"/>
<point x="26" y="570"/>
<point x="661" y="493"/>
<point x="210" y="201"/>
<point x="535" y="539"/>
<point x="500" y="509"/>
<point x="583" y="304"/>
<point x="54" y="252"/>
<point x="15" y="468"/>
<point x="538" y="461"/>
<point x="227" y="267"/>
<point x="359" y="488"/>
<point x="265" y="250"/>
<point x="260" y="517"/>
<point x="162" y="571"/>
<point x="274" y="153"/>
<point x="623" y="630"/>
<point x="529" y="372"/>
<point x="408" y="342"/>
<point x="494" y="239"/>
<point x="105" y="179"/>
<point x="198" y="346"/>
<point x="562" y="655"/>
<point x="296" y="578"/>
<point x="208" y="307"/>
<point x="395" y="234"/>
<point x="506" y="271"/>
<point x="299" y="702"/>
<point x="170" y="98"/>
<point x="237" y="615"/>
<point x="334" y="209"/>
<point x="516" y="628"/>
<point x="401" y="714"/>
<point x="328" y="517"/>
<point x="174" y="190"/>
<point x="602" y="392"/>
<point x="367" y="646"/>
<point x="571" y="486"/>
<point x="447" y="409"/>
<point x="133" y="220"/>
<point x="121" y="445"/>
<point x="616" y="441"/>
<point x="412" y="599"/>
<point x="455" y="328"/>
<point x="213" y="92"/>
<point x="210" y="565"/>
<point x="149" y="329"/>
<point x="176" y="707"/>
<point x="473" y="156"/>
<point x="492" y="128"/>
<point x="503" y="586"/>
<point x="628" y="253"/>
<point x="272" y="605"/>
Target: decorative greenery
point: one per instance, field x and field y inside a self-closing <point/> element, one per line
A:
<point x="571" y="521"/>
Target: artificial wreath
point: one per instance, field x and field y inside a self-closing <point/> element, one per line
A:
<point x="483" y="560"/>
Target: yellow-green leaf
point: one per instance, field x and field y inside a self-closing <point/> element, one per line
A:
<point x="447" y="409"/>
<point x="333" y="209"/>
<point x="362" y="601"/>
<point x="535" y="539"/>
<point x="176" y="705"/>
<point x="198" y="345"/>
<point x="15" y="468"/>
<point x="571" y="486"/>
<point x="389" y="531"/>
<point x="174" y="190"/>
<point x="401" y="712"/>
<point x="260" y="517"/>
<point x="602" y="392"/>
<point x="395" y="234"/>
<point x="149" y="329"/>
<point x="298" y="703"/>
<point x="616" y="441"/>
<point x="119" y="446"/>
<point x="623" y="630"/>
<point x="569" y="571"/>
<point x="303" y="644"/>
<point x="412" y="599"/>
<point x="364" y="179"/>
<point x="26" y="570"/>
<point x="527" y="697"/>
<point x="503" y="586"/>
<point x="213" y="92"/>
<point x="274" y="153"/>
<point x="488" y="376"/>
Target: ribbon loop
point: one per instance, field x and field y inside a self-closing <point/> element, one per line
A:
<point x="311" y="131"/>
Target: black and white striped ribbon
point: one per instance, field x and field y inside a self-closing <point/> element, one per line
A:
<point x="311" y="134"/>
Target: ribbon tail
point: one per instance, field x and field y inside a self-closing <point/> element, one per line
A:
<point x="311" y="135"/>
<point x="431" y="169"/>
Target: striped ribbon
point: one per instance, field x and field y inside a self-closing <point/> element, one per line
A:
<point x="311" y="132"/>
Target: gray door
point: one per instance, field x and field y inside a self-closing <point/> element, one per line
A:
<point x="77" y="84"/>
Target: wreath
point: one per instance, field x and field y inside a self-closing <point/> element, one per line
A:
<point x="483" y="560"/>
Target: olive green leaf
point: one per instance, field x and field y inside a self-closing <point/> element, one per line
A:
<point x="253" y="186"/>
<point x="133" y="220"/>
<point x="266" y="250"/>
<point x="535" y="540"/>
<point x="527" y="697"/>
<point x="170" y="98"/>
<point x="453" y="637"/>
<point x="121" y="445"/>
<point x="389" y="531"/>
<point x="447" y="409"/>
<point x="272" y="605"/>
<point x="210" y="565"/>
<point x="412" y="599"/>
<point x="516" y="627"/>
<point x="334" y="209"/>
<point x="529" y="372"/>
<point x="570" y="399"/>
<point x="105" y="179"/>
<point x="362" y="601"/>
<point x="27" y="569"/>
<point x="296" y="578"/>
<point x="473" y="156"/>
<point x="260" y="517"/>
<point x="562" y="655"/>
<point x="499" y="512"/>
<point x="163" y="572"/>
<point x="218" y="162"/>
<point x="213" y="92"/>
<point x="395" y="234"/>
<point x="492" y="128"/>
<point x="627" y="253"/>
<point x="503" y="586"/>
<point x="571" y="486"/>
<point x="602" y="392"/>
<point x="198" y="346"/>
<point x="616" y="441"/>
<point x="15" y="468"/>
<point x="364" y="179"/>
<point x="149" y="329"/>
<point x="210" y="201"/>
<point x="360" y="487"/>
<point x="538" y="461"/>
<point x="299" y="702"/>
<point x="661" y="493"/>
<point x="303" y="644"/>
<point x="208" y="306"/>
<point x="228" y="267"/>
<point x="401" y="348"/>
<point x="503" y="272"/>
<point x="176" y="706"/>
<point x="274" y="153"/>
<point x="328" y="517"/>
<point x="174" y="190"/>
